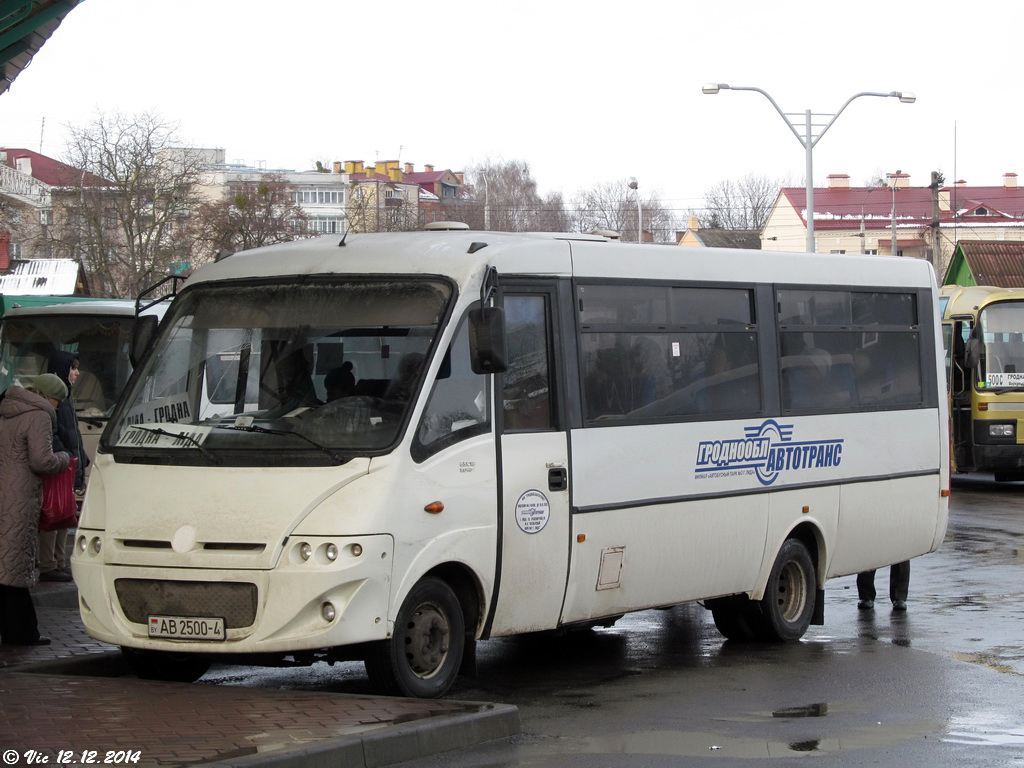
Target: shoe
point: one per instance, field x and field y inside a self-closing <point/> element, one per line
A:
<point x="899" y="605"/>
<point x="865" y="605"/>
<point x="55" y="575"/>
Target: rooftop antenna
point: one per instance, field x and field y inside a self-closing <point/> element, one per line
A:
<point x="42" y="127"/>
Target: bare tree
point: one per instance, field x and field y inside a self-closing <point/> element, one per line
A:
<point x="742" y="204"/>
<point x="504" y="198"/>
<point x="251" y="214"/>
<point x="614" y="206"/>
<point x="382" y="206"/>
<point x="129" y="229"/>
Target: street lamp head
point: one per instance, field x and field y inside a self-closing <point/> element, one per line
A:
<point x="633" y="182"/>
<point x="905" y="97"/>
<point x="713" y="88"/>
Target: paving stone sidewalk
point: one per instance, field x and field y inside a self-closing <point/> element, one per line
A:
<point x="70" y="699"/>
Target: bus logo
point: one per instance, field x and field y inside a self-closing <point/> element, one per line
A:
<point x="765" y="450"/>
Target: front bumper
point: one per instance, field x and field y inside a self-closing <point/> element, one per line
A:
<point x="276" y="611"/>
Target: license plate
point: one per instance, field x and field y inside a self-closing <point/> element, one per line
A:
<point x="186" y="628"/>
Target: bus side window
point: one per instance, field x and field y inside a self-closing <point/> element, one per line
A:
<point x="526" y="396"/>
<point x="458" y="404"/>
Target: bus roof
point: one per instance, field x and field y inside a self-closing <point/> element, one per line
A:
<point x="94" y="307"/>
<point x="109" y="307"/>
<point x="463" y="255"/>
<point x="967" y="300"/>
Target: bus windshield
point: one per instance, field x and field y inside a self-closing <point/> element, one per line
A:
<point x="1001" y="328"/>
<point x="256" y="371"/>
<point x="100" y="341"/>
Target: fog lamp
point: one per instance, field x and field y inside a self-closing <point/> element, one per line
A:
<point x="328" y="612"/>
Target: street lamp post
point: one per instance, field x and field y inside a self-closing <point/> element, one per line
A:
<point x="639" y="211"/>
<point x="487" y="203"/>
<point x="809" y="139"/>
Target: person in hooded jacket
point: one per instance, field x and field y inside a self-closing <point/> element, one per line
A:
<point x="27" y="416"/>
<point x="54" y="563"/>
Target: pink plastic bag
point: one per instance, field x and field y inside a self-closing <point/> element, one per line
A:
<point x="59" y="510"/>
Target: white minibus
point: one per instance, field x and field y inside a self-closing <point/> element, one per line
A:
<point x="390" y="446"/>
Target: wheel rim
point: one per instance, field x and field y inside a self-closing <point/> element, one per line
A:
<point x="426" y="640"/>
<point x="792" y="593"/>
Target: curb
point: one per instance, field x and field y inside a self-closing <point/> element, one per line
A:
<point x="392" y="744"/>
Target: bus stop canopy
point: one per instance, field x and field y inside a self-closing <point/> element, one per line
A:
<point x="24" y="26"/>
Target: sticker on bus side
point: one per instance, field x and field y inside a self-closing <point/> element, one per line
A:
<point x="532" y="512"/>
<point x="766" y="450"/>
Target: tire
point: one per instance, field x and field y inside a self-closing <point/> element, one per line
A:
<point x="733" y="617"/>
<point x="172" y="667"/>
<point x="788" y="602"/>
<point x="423" y="656"/>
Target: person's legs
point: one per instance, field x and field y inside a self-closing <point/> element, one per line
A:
<point x="60" y="550"/>
<point x="18" y="625"/>
<point x="899" y="582"/>
<point x="47" y="551"/>
<point x="866" y="585"/>
<point x="53" y="556"/>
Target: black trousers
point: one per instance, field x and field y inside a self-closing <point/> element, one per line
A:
<point x="18" y="624"/>
<point x="899" y="582"/>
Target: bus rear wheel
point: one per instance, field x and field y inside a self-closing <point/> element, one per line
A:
<point x="788" y="602"/>
<point x="423" y="656"/>
<point x="172" y="667"/>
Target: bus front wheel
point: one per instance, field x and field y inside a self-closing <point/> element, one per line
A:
<point x="423" y="656"/>
<point x="788" y="601"/>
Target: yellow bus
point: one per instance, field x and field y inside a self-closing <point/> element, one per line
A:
<point x="983" y="334"/>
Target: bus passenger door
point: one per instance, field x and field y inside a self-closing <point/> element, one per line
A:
<point x="960" y="382"/>
<point x="533" y="555"/>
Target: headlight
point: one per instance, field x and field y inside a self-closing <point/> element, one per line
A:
<point x="1001" y="430"/>
<point x="305" y="550"/>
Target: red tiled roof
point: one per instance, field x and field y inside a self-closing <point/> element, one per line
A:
<point x="844" y="208"/>
<point x="54" y="172"/>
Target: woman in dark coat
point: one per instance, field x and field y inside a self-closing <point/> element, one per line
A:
<point x="27" y="416"/>
<point x="54" y="563"/>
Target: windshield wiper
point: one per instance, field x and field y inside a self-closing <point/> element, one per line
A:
<point x="182" y="436"/>
<point x="266" y="431"/>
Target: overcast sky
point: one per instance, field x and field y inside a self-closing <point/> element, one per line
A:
<point x="585" y="92"/>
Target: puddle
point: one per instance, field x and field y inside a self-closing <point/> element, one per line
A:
<point x="722" y="745"/>
<point x="986" y="660"/>
<point x="690" y="744"/>
<point x="984" y="729"/>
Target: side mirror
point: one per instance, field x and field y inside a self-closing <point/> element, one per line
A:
<point x="487" y="340"/>
<point x="973" y="353"/>
<point x="142" y="337"/>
